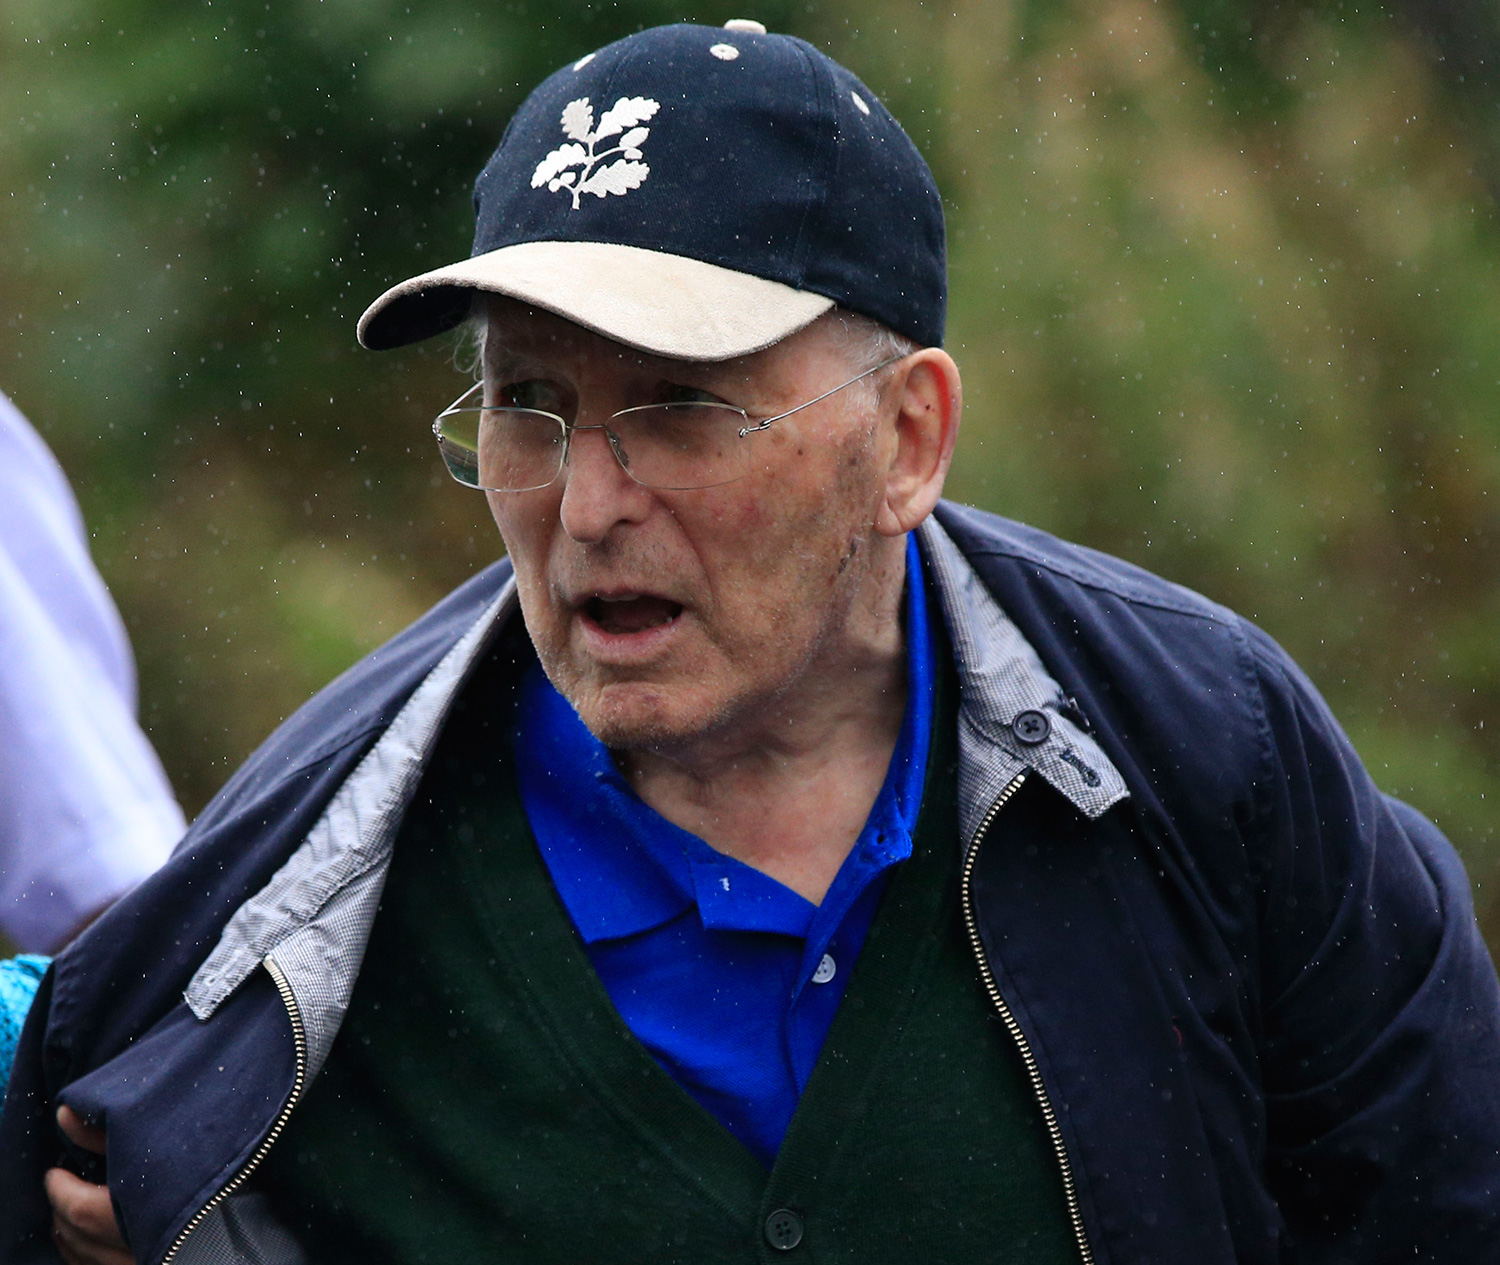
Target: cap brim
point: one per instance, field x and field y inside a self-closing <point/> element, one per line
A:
<point x="668" y="305"/>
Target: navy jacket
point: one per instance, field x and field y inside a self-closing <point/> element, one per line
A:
<point x="1263" y="1022"/>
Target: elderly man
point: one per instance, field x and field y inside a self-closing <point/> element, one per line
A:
<point x="766" y="860"/>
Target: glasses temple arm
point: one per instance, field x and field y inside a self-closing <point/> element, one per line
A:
<point x="761" y="425"/>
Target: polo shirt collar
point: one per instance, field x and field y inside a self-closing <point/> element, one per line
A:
<point x="576" y="798"/>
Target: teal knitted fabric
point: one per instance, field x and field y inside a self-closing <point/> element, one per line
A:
<point x="19" y="979"/>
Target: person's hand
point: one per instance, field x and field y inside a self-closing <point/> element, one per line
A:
<point x="83" y="1219"/>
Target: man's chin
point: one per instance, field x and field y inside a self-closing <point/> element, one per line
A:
<point x="643" y="717"/>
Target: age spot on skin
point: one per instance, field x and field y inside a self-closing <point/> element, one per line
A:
<point x="848" y="556"/>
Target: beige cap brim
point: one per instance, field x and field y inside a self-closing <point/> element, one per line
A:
<point x="668" y="305"/>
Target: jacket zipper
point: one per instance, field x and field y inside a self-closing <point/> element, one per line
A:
<point x="971" y="922"/>
<point x="299" y="1035"/>
<point x="299" y="1032"/>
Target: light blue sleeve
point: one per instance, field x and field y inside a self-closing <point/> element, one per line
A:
<point x="19" y="979"/>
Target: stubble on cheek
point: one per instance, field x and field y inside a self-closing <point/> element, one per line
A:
<point x="855" y="498"/>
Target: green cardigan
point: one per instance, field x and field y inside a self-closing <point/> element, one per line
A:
<point x="485" y="1102"/>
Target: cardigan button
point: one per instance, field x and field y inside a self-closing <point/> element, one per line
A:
<point x="783" y="1229"/>
<point x="1031" y="727"/>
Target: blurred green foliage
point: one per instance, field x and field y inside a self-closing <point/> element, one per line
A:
<point x="1226" y="289"/>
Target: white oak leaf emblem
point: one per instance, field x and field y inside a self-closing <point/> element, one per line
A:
<point x="593" y="174"/>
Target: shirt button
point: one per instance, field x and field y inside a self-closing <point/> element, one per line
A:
<point x="827" y="968"/>
<point x="783" y="1229"/>
<point x="1031" y="727"/>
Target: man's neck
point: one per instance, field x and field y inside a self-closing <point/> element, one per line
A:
<point x="788" y="789"/>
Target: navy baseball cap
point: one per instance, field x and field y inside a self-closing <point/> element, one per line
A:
<point x="698" y="193"/>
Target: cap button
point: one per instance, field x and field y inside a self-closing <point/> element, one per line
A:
<point x="748" y="25"/>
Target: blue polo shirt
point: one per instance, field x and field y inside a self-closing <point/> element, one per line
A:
<point x="728" y="977"/>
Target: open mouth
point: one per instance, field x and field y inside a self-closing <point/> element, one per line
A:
<point x="623" y="615"/>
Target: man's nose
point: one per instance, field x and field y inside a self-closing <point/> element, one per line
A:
<point x="597" y="493"/>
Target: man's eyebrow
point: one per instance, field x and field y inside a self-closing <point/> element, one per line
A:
<point x="502" y="361"/>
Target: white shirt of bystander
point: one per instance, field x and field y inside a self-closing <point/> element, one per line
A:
<point x="85" y="809"/>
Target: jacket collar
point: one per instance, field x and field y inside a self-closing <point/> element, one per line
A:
<point x="313" y="918"/>
<point x="1013" y="716"/>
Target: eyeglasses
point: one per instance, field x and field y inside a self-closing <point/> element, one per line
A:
<point x="671" y="447"/>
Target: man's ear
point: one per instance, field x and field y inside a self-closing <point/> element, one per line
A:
<point x="926" y="397"/>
